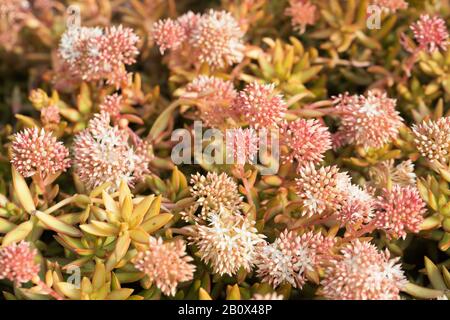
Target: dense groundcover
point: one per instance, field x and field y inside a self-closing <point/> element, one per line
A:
<point x="235" y="149"/>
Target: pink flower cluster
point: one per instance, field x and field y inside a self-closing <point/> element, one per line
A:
<point x="214" y="38"/>
<point x="361" y="272"/>
<point x="18" y="262"/>
<point x="37" y="152"/>
<point x="290" y="257"/>
<point x="431" y="33"/>
<point x="302" y="13"/>
<point x="214" y="97"/>
<point x="321" y="189"/>
<point x="260" y="105"/>
<point x="103" y="153"/>
<point x="399" y="211"/>
<point x="307" y="141"/>
<point x="166" y="264"/>
<point x="94" y="54"/>
<point x="370" y="121"/>
<point x="391" y="5"/>
<point x="432" y="139"/>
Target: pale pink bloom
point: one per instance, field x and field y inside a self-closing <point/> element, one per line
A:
<point x="322" y="189"/>
<point x="217" y="39"/>
<point x="213" y="192"/>
<point x="307" y="141"/>
<point x="18" y="262"/>
<point x="35" y="151"/>
<point x="228" y="243"/>
<point x="357" y="209"/>
<point x="94" y="54"/>
<point x="362" y="272"/>
<point x="399" y="211"/>
<point x="391" y="5"/>
<point x="189" y="22"/>
<point x="112" y="105"/>
<point x="166" y="264"/>
<point x="267" y="296"/>
<point x="302" y="13"/>
<point x="370" y="121"/>
<point x="103" y="153"/>
<point x="290" y="257"/>
<point x="214" y="96"/>
<point x="169" y="34"/>
<point x="260" y="105"/>
<point x="241" y="145"/>
<point x="50" y="114"/>
<point x="431" y="33"/>
<point x="432" y="139"/>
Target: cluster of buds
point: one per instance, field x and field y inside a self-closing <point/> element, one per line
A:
<point x="105" y="153"/>
<point x="214" y="38"/>
<point x="94" y="54"/>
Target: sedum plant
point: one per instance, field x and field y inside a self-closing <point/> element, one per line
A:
<point x="236" y="149"/>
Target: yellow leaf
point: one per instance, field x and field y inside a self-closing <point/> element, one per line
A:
<point x="56" y="225"/>
<point x="434" y="275"/>
<point x="97" y="191"/>
<point x="109" y="203"/>
<point x="18" y="233"/>
<point x="234" y="293"/>
<point x="154" y="208"/>
<point x="6" y="226"/>
<point x="421" y="292"/>
<point x="22" y="192"/>
<point x="122" y="245"/>
<point x="67" y="289"/>
<point x="99" y="277"/>
<point x="140" y="210"/>
<point x="139" y="235"/>
<point x="203" y="295"/>
<point x="119" y="294"/>
<point x="126" y="208"/>
<point x="98" y="231"/>
<point x="155" y="223"/>
<point x="124" y="191"/>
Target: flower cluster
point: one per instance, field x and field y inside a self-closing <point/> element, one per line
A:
<point x="370" y="121"/>
<point x="94" y="54"/>
<point x="260" y="105"/>
<point x="37" y="152"/>
<point x="213" y="192"/>
<point x="18" y="262"/>
<point x="302" y="13"/>
<point x="321" y="189"/>
<point x="290" y="257"/>
<point x="229" y="242"/>
<point x="166" y="264"/>
<point x="432" y="139"/>
<point x="400" y="210"/>
<point x="391" y="5"/>
<point x="214" y="38"/>
<point x="431" y="33"/>
<point x="361" y="272"/>
<point x="214" y="97"/>
<point x="103" y="153"/>
<point x="307" y="141"/>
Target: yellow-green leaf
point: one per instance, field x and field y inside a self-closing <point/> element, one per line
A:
<point x="18" y="233"/>
<point x="55" y="224"/>
<point x="22" y="191"/>
<point x="155" y="223"/>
